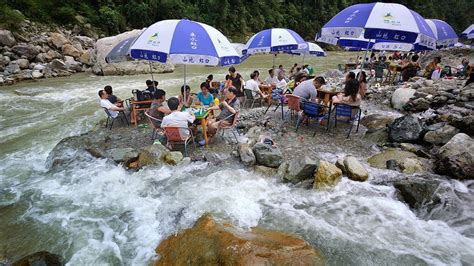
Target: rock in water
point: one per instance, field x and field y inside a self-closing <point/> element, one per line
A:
<point x="301" y="169"/>
<point x="266" y="171"/>
<point x="267" y="155"/>
<point x="327" y="175"/>
<point x="355" y="170"/>
<point x="39" y="259"/>
<point x="152" y="155"/>
<point x="441" y="135"/>
<point x="401" y="96"/>
<point x="118" y="154"/>
<point x="380" y="160"/>
<point x="246" y="155"/>
<point x="405" y="129"/>
<point x="210" y="243"/>
<point x="173" y="157"/>
<point x="456" y="158"/>
<point x="410" y="166"/>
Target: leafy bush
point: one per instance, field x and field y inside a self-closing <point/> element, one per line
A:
<point x="9" y="18"/>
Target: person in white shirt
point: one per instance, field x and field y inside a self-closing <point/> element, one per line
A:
<point x="105" y="103"/>
<point x="281" y="85"/>
<point x="177" y="118"/>
<point x="272" y="79"/>
<point x="252" y="84"/>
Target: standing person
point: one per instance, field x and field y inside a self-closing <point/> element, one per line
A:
<point x="157" y="109"/>
<point x="351" y="94"/>
<point x="188" y="100"/>
<point x="177" y="118"/>
<point x="252" y="84"/>
<point x="271" y="79"/>
<point x="229" y="107"/>
<point x="237" y="82"/>
<point x="112" y="98"/>
<point x="204" y="97"/>
<point x="105" y="103"/>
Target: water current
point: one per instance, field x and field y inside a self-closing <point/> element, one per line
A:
<point x="96" y="213"/>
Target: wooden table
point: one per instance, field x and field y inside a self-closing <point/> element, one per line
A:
<point x="138" y="106"/>
<point x="267" y="88"/>
<point x="203" y="118"/>
<point x="326" y="96"/>
<point x="350" y="66"/>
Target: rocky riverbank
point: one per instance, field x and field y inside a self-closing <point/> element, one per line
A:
<point x="37" y="51"/>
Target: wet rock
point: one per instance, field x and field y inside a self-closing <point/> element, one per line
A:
<point x="354" y="169"/>
<point x="39" y="259"/>
<point x="246" y="155"/>
<point x="377" y="135"/>
<point x="152" y="155"/>
<point x="129" y="157"/>
<point x="58" y="40"/>
<point x="266" y="171"/>
<point x="173" y="157"/>
<point x="7" y="38"/>
<point x="301" y="169"/>
<point x="267" y="155"/>
<point x="405" y="129"/>
<point x="441" y="135"/>
<point x="327" y="175"/>
<point x="456" y="158"/>
<point x="282" y="170"/>
<point x="27" y="50"/>
<point x="410" y="166"/>
<point x="340" y="165"/>
<point x="118" y="154"/>
<point x="57" y="64"/>
<point x="376" y="121"/>
<point x="211" y="243"/>
<point x="70" y="50"/>
<point x="401" y="96"/>
<point x="380" y="160"/>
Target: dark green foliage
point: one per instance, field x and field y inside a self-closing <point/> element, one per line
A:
<point x="235" y="18"/>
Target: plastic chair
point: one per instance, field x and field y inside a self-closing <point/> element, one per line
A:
<point x="156" y="123"/>
<point x="173" y="136"/>
<point x="230" y="127"/>
<point x="120" y="116"/>
<point x="347" y="111"/>
<point x="312" y="110"/>
<point x="249" y="98"/>
<point x="294" y="105"/>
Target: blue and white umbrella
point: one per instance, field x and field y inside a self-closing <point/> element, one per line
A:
<point x="312" y="50"/>
<point x="120" y="52"/>
<point x="380" y="21"/>
<point x="468" y="33"/>
<point x="184" y="42"/>
<point x="274" y="41"/>
<point x="444" y="33"/>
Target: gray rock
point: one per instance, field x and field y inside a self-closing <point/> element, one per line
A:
<point x="23" y="63"/>
<point x="267" y="155"/>
<point x="377" y="135"/>
<point x="405" y="129"/>
<point x="12" y="68"/>
<point x="266" y="171"/>
<point x="376" y="121"/>
<point x="456" y="158"/>
<point x="27" y="50"/>
<point x="441" y="135"/>
<point x="355" y="170"/>
<point x="7" y="38"/>
<point x="36" y="74"/>
<point x="72" y="64"/>
<point x="282" y="169"/>
<point x="57" y="64"/>
<point x="401" y="96"/>
<point x="301" y="169"/>
<point x="246" y="155"/>
<point x="118" y="154"/>
<point x="152" y="155"/>
<point x="380" y="160"/>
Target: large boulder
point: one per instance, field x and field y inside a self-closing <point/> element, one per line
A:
<point x="72" y="64"/>
<point x="456" y="158"/>
<point x="57" y="64"/>
<point x="57" y="40"/>
<point x="246" y="155"/>
<point x="354" y="169"/>
<point x="152" y="155"/>
<point x="377" y="121"/>
<point x="211" y="243"/>
<point x="7" y="38"/>
<point x="267" y="155"/>
<point x="407" y="128"/>
<point x="441" y="135"/>
<point x="85" y="57"/>
<point x="402" y="96"/>
<point x="105" y="45"/>
<point x="118" y="154"/>
<point x="173" y="157"/>
<point x="27" y="50"/>
<point x="70" y="50"/>
<point x="301" y="169"/>
<point x="39" y="259"/>
<point x="380" y="160"/>
<point x="327" y="175"/>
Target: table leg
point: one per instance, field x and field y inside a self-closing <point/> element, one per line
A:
<point x="133" y="115"/>
<point x="326" y="98"/>
<point x="329" y="116"/>
<point x="204" y="130"/>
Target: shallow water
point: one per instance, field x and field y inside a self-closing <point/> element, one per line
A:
<point x="97" y="213"/>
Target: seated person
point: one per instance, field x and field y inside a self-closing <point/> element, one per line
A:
<point x="362" y="78"/>
<point x="430" y="68"/>
<point x="177" y="118"/>
<point x="349" y="76"/>
<point x="410" y="69"/>
<point x="105" y="103"/>
<point x="188" y="100"/>
<point x="281" y="84"/>
<point x="462" y="68"/>
<point x="112" y="98"/>
<point x="351" y="94"/>
<point x="229" y="107"/>
<point x="204" y="97"/>
<point x="306" y="90"/>
<point x="271" y="79"/>
<point x="252" y="84"/>
<point x="470" y="77"/>
<point x="157" y="109"/>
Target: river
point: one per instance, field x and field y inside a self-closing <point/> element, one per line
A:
<point x="95" y="213"/>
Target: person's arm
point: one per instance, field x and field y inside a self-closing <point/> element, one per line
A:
<point x="114" y="107"/>
<point x="228" y="107"/>
<point x="164" y="110"/>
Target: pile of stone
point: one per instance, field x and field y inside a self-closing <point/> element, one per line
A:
<point x="36" y="52"/>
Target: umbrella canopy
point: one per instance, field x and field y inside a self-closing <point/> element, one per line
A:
<point x="184" y="42"/>
<point x="444" y="33"/>
<point x="380" y="21"/>
<point x="274" y="41"/>
<point x="312" y="50"/>
<point x="120" y="52"/>
<point x="468" y="33"/>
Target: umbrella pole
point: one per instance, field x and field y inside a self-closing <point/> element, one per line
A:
<point x="151" y="71"/>
<point x="365" y="56"/>
<point x="184" y="94"/>
<point x="273" y="66"/>
<point x="304" y="55"/>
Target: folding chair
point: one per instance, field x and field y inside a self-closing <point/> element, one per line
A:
<point x="344" y="110"/>
<point x="155" y="122"/>
<point x="249" y="98"/>
<point x="120" y="116"/>
<point x="294" y="105"/>
<point x="173" y="136"/>
<point x="312" y="110"/>
<point x="231" y="127"/>
<point x="276" y="97"/>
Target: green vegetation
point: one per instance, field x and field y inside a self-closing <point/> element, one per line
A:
<point x="235" y="18"/>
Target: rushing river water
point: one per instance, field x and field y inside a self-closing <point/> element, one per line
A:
<point x="95" y="213"/>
